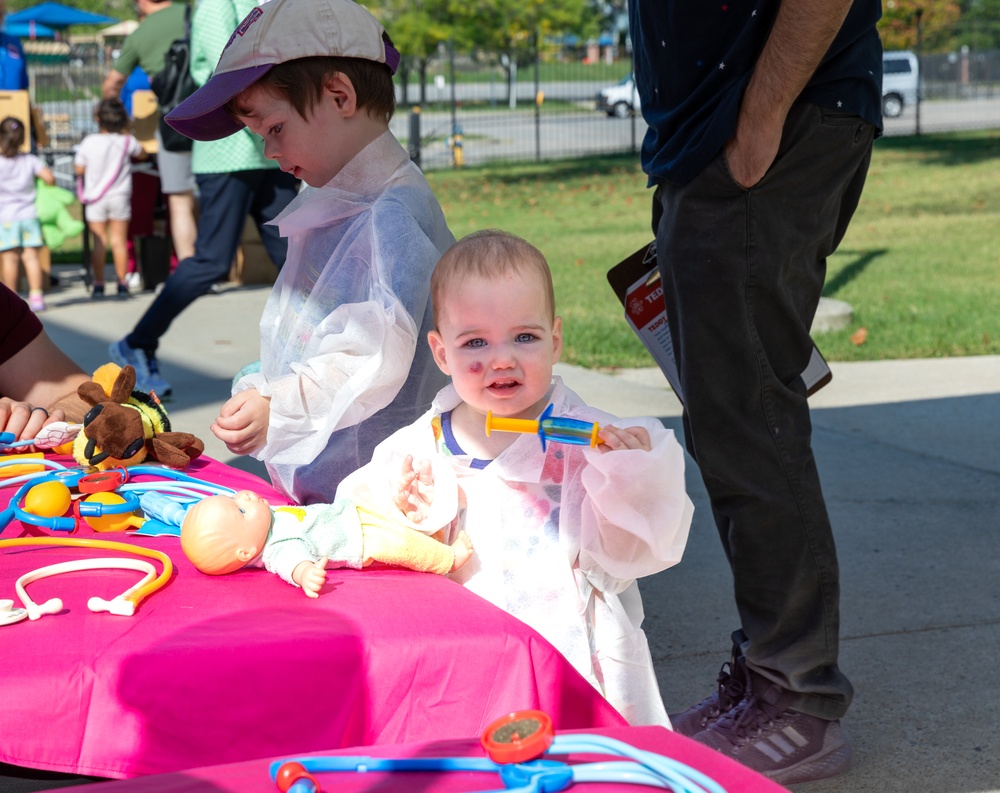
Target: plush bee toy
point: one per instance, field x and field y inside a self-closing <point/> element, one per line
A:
<point x="125" y="427"/>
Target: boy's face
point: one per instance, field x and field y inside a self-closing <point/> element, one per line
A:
<point x="309" y="149"/>
<point x="496" y="341"/>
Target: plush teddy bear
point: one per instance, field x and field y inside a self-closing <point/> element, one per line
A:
<point x="126" y="426"/>
<point x="52" y="204"/>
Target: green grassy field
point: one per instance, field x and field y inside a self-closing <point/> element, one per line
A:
<point x="920" y="264"/>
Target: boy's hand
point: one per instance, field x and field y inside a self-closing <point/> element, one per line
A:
<point x="614" y="438"/>
<point x="242" y="422"/>
<point x="310" y="576"/>
<point x="416" y="489"/>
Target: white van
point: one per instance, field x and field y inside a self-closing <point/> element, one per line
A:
<point x="900" y="78"/>
<point x="620" y="100"/>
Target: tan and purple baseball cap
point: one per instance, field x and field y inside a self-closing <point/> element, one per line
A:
<point x="272" y="33"/>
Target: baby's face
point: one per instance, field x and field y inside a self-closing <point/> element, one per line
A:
<point x="497" y="341"/>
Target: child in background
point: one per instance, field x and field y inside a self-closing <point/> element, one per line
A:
<point x="104" y="163"/>
<point x="20" y="231"/>
<point x="340" y="365"/>
<point x="560" y="535"/>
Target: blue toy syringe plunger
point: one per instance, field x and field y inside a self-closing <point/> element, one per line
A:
<point x="549" y="428"/>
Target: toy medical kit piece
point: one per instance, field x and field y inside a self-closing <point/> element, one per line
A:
<point x="46" y="508"/>
<point x="48" y="499"/>
<point x="13" y="465"/>
<point x="518" y="737"/>
<point x="526" y="735"/>
<point x="114" y="511"/>
<point x="51" y="435"/>
<point x="159" y="506"/>
<point x="9" y="615"/>
<point x="110" y="519"/>
<point x="54" y="605"/>
<point x="124" y="604"/>
<point x="562" y="430"/>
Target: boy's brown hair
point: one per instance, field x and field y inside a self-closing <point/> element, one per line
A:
<point x="301" y="82"/>
<point x="490" y="254"/>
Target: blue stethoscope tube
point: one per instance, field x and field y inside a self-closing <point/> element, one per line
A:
<point x="535" y="776"/>
<point x="89" y="509"/>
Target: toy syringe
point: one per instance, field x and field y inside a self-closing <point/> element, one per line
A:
<point x="548" y="428"/>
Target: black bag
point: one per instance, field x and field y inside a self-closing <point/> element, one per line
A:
<point x="173" y="84"/>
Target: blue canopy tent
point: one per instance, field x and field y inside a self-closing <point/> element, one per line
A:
<point x="57" y="16"/>
<point x="29" y="30"/>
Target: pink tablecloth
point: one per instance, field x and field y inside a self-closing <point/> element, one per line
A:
<point x="224" y="669"/>
<point x="253" y="777"/>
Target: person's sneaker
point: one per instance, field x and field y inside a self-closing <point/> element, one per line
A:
<point x="36" y="303"/>
<point x="122" y="291"/>
<point x="147" y="372"/>
<point x="785" y="745"/>
<point x="97" y="292"/>
<point x="727" y="695"/>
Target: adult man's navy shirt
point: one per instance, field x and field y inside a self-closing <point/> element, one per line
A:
<point x="692" y="62"/>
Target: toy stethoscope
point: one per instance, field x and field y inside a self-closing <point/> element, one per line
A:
<point x="92" y="483"/>
<point x="123" y="605"/>
<point x="516" y="745"/>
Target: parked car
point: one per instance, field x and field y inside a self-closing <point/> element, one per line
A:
<point x="900" y="81"/>
<point x="620" y="100"/>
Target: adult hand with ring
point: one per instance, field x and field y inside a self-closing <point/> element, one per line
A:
<point x="24" y="421"/>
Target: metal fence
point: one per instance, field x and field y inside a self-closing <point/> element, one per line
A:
<point x="467" y="110"/>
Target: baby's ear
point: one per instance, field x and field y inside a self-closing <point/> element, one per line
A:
<point x="436" y="343"/>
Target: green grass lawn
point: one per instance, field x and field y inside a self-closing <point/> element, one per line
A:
<point x="920" y="263"/>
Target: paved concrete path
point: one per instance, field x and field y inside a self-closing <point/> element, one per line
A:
<point x="909" y="453"/>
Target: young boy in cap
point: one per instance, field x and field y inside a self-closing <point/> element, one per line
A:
<point x="341" y="366"/>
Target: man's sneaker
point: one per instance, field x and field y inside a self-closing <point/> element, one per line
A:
<point x="732" y="682"/>
<point x="147" y="372"/>
<point x="97" y="292"/>
<point x="787" y="746"/>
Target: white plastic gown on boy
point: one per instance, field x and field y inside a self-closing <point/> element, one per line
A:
<point x="343" y="356"/>
<point x="560" y="537"/>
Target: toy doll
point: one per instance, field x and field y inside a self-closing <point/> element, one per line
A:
<point x="222" y="534"/>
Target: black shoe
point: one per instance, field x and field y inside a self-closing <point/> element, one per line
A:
<point x="732" y="684"/>
<point x="785" y="745"/>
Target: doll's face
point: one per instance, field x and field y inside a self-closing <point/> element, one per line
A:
<point x="246" y="518"/>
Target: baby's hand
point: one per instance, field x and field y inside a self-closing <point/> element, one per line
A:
<point x="243" y="421"/>
<point x="614" y="438"/>
<point x="416" y="489"/>
<point x="310" y="576"/>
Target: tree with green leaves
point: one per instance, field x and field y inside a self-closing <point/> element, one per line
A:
<point x="898" y="26"/>
<point x="418" y="29"/>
